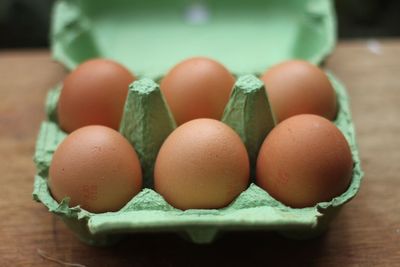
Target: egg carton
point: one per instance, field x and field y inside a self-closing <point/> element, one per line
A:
<point x="256" y="34"/>
<point x="146" y="123"/>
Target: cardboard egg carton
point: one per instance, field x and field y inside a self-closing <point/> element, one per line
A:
<point x="151" y="36"/>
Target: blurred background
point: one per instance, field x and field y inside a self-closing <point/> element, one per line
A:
<point x="25" y="23"/>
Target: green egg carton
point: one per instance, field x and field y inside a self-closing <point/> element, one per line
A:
<point x="149" y="37"/>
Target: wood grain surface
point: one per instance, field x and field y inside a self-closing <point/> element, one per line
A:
<point x="366" y="232"/>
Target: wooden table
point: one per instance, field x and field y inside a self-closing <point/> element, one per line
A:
<point x="366" y="232"/>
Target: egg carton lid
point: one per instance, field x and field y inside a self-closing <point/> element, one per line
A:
<point x="149" y="37"/>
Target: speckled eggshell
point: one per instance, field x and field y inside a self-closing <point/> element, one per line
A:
<point x="203" y="164"/>
<point x="304" y="160"/>
<point x="96" y="168"/>
<point x="297" y="87"/>
<point x="197" y="88"/>
<point x="94" y="93"/>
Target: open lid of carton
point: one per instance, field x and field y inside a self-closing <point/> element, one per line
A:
<point x="149" y="37"/>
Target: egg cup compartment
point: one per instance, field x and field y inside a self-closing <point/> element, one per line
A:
<point x="146" y="123"/>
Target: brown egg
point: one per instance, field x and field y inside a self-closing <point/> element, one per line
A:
<point x="304" y="160"/>
<point x="97" y="168"/>
<point x="94" y="93"/>
<point x="197" y="88"/>
<point x="203" y="164"/>
<point x="298" y="87"/>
